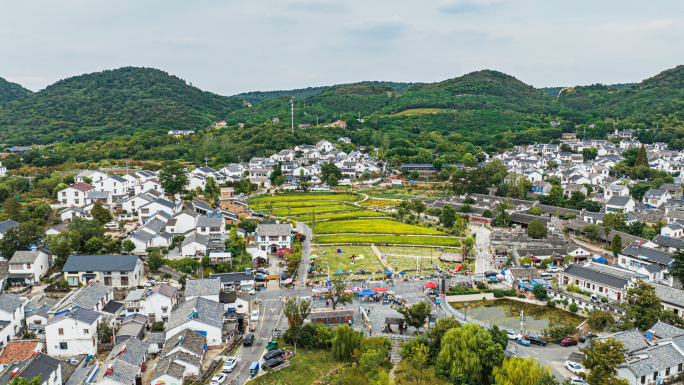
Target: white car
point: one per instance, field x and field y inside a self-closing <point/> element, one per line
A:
<point x="552" y="269"/>
<point x="218" y="379"/>
<point x="255" y="316"/>
<point x="577" y="381"/>
<point x="229" y="365"/>
<point x="574" y="367"/>
<point x="111" y="225"/>
<point x="232" y="318"/>
<point x="514" y="336"/>
<point x="151" y="283"/>
<point x="250" y="291"/>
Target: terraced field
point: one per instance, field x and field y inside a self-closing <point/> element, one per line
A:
<point x="404" y="240"/>
<point x="372" y="226"/>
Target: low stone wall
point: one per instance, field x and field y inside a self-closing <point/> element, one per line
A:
<point x="469" y="297"/>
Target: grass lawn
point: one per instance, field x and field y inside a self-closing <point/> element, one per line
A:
<point x="372" y="226"/>
<point x="308" y="365"/>
<point x="352" y="238"/>
<point x="303" y="197"/>
<point x="336" y="261"/>
<point x="354" y="214"/>
<point x="318" y="209"/>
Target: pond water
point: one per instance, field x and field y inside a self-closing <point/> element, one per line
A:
<point x="506" y="312"/>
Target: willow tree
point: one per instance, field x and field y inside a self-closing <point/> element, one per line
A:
<point x="468" y="351"/>
<point x="520" y="371"/>
<point x="344" y="343"/>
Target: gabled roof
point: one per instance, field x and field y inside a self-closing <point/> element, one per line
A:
<point x="43" y="365"/>
<point x="82" y="186"/>
<point x="82" y="315"/>
<point x="166" y="366"/>
<point x="616" y="200"/>
<point x="6" y="225"/>
<point x="654" y="256"/>
<point x="195" y="237"/>
<point x="659" y="358"/>
<point x="99" y="194"/>
<point x="207" y="312"/>
<point x="10" y="302"/>
<point x="165" y="290"/>
<point x="593" y="272"/>
<point x="24" y="256"/>
<point x="633" y="340"/>
<point x="132" y="351"/>
<point x="669" y="295"/>
<point x="101" y="263"/>
<point x="664" y="330"/>
<point x="88" y="296"/>
<point x="200" y="287"/>
<point x="17" y="351"/>
<point x="189" y="340"/>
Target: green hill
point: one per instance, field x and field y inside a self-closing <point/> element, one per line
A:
<point x="11" y="91"/>
<point x="304" y="93"/>
<point x="103" y="104"/>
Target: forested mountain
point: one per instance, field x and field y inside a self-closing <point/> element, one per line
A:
<point x="11" y="91"/>
<point x="103" y="104"/>
<point x="304" y="93"/>
<point x="553" y="91"/>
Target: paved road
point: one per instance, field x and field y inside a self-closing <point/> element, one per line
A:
<point x="483" y="256"/>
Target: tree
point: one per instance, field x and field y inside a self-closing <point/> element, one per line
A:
<point x="105" y="333"/>
<point x="336" y="294"/>
<point x="540" y="292"/>
<point x="328" y="169"/>
<point x="86" y="229"/>
<point x="279" y="181"/>
<point x="591" y="231"/>
<point x="589" y="153"/>
<point x="128" y="245"/>
<point x="332" y="180"/>
<point x="155" y="260"/>
<point x="502" y="217"/>
<point x="9" y="243"/>
<point x="614" y="221"/>
<point x="499" y="336"/>
<point x="210" y="188"/>
<point x="416" y="314"/>
<point x="345" y="341"/>
<point x="173" y="179"/>
<point x="448" y="216"/>
<point x="601" y="359"/>
<point x="466" y="208"/>
<point x="535" y="211"/>
<point x="296" y="310"/>
<point x="599" y="319"/>
<point x="468" y="243"/>
<point x="616" y="244"/>
<point x="556" y="196"/>
<point x="547" y="379"/>
<point x="418" y="206"/>
<point x="642" y="158"/>
<point x="469" y="351"/>
<point x="63" y="244"/>
<point x="93" y="245"/>
<point x="12" y="208"/>
<point x="644" y="306"/>
<point x="520" y="371"/>
<point x="158" y="326"/>
<point x="487" y="213"/>
<point x="416" y="369"/>
<point x="676" y="269"/>
<point x="536" y="229"/>
<point x="277" y="171"/>
<point x="100" y="213"/>
<point x="442" y="326"/>
<point x="553" y="164"/>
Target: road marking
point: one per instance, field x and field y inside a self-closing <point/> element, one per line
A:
<point x="238" y="372"/>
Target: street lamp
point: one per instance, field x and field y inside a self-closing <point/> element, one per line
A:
<point x="465" y="308"/>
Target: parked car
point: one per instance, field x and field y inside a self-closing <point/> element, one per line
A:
<point x="218" y="379"/>
<point x="232" y="318"/>
<point x="151" y="283"/>
<point x="111" y="225"/>
<point x="514" y="336"/>
<point x="260" y="278"/>
<point x="574" y="367"/>
<point x="250" y="291"/>
<point x="577" y="381"/>
<point x="509" y="354"/>
<point x="255" y="316"/>
<point x="595" y="298"/>
<point x="262" y="271"/>
<point x="523" y="341"/>
<point x="567" y="341"/>
<point x="587" y="336"/>
<point x="490" y="273"/>
<point x="274" y="354"/>
<point x="553" y="269"/>
<point x="537" y="341"/>
<point x="272" y="363"/>
<point x="229" y="365"/>
<point x="249" y="339"/>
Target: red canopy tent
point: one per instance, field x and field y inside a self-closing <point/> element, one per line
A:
<point x="379" y="289"/>
<point x="431" y="285"/>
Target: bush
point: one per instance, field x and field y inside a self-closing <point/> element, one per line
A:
<point x="521" y="296"/>
<point x="481" y="285"/>
<point x="462" y="290"/>
<point x="64" y="283"/>
<point x="551" y="303"/>
<point x="573" y="307"/>
<point x="604" y="299"/>
<point x="565" y="302"/>
<point x="498" y="293"/>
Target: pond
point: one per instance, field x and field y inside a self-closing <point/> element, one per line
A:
<point x="506" y="312"/>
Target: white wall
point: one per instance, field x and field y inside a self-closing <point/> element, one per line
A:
<point x="213" y="333"/>
<point x="74" y="334"/>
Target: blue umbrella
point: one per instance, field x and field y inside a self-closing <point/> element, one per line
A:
<point x="492" y="277"/>
<point x="367" y="292"/>
<point x="402" y="272"/>
<point x="387" y="272"/>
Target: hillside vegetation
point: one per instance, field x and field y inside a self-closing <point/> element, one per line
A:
<point x="11" y="91"/>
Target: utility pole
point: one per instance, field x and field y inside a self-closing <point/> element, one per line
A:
<point x="206" y="161"/>
<point x="292" y="105"/>
<point x="126" y="166"/>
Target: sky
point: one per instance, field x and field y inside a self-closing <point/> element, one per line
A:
<point x="234" y="46"/>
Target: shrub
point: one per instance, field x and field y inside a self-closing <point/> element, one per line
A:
<point x="573" y="307"/>
<point x="481" y="285"/>
<point x="64" y="283"/>
<point x="535" y="211"/>
<point x="604" y="299"/>
<point x="498" y="293"/>
<point x="551" y="303"/>
<point x="462" y="290"/>
<point x="521" y="296"/>
<point x="565" y="302"/>
<point x="509" y="293"/>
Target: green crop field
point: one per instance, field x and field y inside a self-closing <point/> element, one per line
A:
<point x="351" y="215"/>
<point x="336" y="261"/>
<point x="352" y="238"/>
<point x="372" y="226"/>
<point x="318" y="209"/>
<point x="296" y="203"/>
<point x="302" y="197"/>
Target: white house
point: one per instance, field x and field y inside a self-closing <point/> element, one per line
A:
<point x="12" y="309"/>
<point x="182" y="356"/>
<point x="200" y="315"/>
<point x="72" y="332"/>
<point x="621" y="204"/>
<point x="28" y="266"/>
<point x="324" y="146"/>
<point x="101" y="196"/>
<point x="6" y="225"/>
<point x="155" y="302"/>
<point x="194" y="244"/>
<point x="117" y="185"/>
<point x="48" y="368"/>
<point x="673" y="230"/>
<point x="616" y="190"/>
<point x="602" y="280"/>
<point x="93" y="175"/>
<point x="112" y="270"/>
<point x="93" y="296"/>
<point x="656" y="198"/>
<point x="75" y="194"/>
<point x="272" y="237"/>
<point x="183" y="222"/>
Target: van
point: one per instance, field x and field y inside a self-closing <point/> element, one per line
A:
<point x="547" y="276"/>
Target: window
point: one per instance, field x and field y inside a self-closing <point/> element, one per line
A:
<point x="643" y="379"/>
<point x="680" y="367"/>
<point x="28" y="265"/>
<point x="63" y="345"/>
<point x="107" y="273"/>
<point x="86" y="331"/>
<point x="124" y="281"/>
<point x="667" y="371"/>
<point x="164" y="309"/>
<point x="76" y="201"/>
<point x="600" y="289"/>
<point x="60" y="331"/>
<point x="73" y="281"/>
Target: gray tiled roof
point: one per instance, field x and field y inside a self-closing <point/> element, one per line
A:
<point x="209" y="313"/>
<point x="660" y="358"/>
<point x="82" y="315"/>
<point x="664" y="330"/>
<point x="122" y="372"/>
<point x="200" y="287"/>
<point x="90" y="295"/>
<point x="101" y="263"/>
<point x="633" y="340"/>
<point x="135" y="353"/>
<point x="274" y="229"/>
<point x="144" y="236"/>
<point x="190" y="340"/>
<point x="10" y="302"/>
<point x="42" y="365"/>
<point x="654" y="256"/>
<point x="155" y="225"/>
<point x="168" y="367"/>
<point x="668" y="242"/>
<point x="530" y="273"/>
<point x="112" y="307"/>
<point x="79" y="376"/>
<point x="6" y="225"/>
<point x="24" y="256"/>
<point x="156" y="338"/>
<point x="98" y="195"/>
<point x="194" y="237"/>
<point x="597" y="276"/>
<point x="618" y="201"/>
<point x="670" y="295"/>
<point x="139" y="318"/>
<point x="186" y="357"/>
<point x="192" y="213"/>
<point x="164" y="289"/>
<point x="206" y="221"/>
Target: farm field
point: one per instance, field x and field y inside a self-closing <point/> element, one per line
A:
<point x="298" y="203"/>
<point x="373" y="226"/>
<point x="281" y="212"/>
<point x="303" y="197"/>
<point x="335" y="261"/>
<point x="369" y="238"/>
<point x="351" y="215"/>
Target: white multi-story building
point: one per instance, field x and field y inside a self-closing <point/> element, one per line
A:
<point x="12" y="309"/>
<point x="75" y="195"/>
<point x="72" y="333"/>
<point x="28" y="266"/>
<point x="272" y="237"/>
<point x="156" y="302"/>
